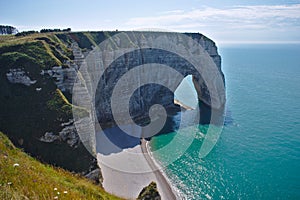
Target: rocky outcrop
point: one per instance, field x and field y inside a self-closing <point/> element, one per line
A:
<point x="95" y="176"/>
<point x="144" y="97"/>
<point x="19" y="76"/>
<point x="49" y="137"/>
<point x="68" y="134"/>
<point x="64" y="77"/>
<point x="149" y="193"/>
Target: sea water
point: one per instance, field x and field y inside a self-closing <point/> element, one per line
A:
<point x="258" y="153"/>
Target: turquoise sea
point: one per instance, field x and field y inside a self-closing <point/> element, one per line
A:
<point x="258" y="153"/>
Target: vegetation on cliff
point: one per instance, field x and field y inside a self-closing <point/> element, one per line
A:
<point x="28" y="112"/>
<point x="5" y="29"/>
<point x="23" y="177"/>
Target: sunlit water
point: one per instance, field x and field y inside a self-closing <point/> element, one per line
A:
<point x="258" y="153"/>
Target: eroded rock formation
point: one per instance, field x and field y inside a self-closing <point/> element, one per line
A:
<point x="19" y="76"/>
<point x="209" y="84"/>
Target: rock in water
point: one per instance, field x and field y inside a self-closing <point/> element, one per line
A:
<point x="149" y="193"/>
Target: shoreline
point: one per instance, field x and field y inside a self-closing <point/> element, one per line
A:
<point x="175" y="191"/>
<point x="126" y="170"/>
<point x="165" y="187"/>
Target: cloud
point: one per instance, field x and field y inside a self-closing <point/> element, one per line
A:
<point x="238" y="15"/>
<point x="256" y="19"/>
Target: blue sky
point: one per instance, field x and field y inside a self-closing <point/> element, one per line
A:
<point x="225" y="21"/>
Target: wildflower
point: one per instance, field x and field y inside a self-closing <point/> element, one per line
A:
<point x="58" y="193"/>
<point x="56" y="197"/>
<point x="65" y="192"/>
<point x="16" y="165"/>
<point x="9" y="183"/>
<point x="55" y="189"/>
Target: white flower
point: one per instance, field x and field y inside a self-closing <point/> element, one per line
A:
<point x="9" y="183"/>
<point x="58" y="193"/>
<point x="56" y="197"/>
<point x="55" y="189"/>
<point x="65" y="192"/>
<point x="16" y="165"/>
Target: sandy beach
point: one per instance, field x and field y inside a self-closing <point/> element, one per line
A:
<point x="183" y="105"/>
<point x="164" y="186"/>
<point x="127" y="167"/>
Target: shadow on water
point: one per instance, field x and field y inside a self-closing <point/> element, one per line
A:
<point x="228" y="119"/>
<point x="114" y="139"/>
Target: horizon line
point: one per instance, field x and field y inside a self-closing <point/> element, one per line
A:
<point x="220" y="42"/>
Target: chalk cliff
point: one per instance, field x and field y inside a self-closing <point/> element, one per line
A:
<point x="37" y="77"/>
<point x="146" y="96"/>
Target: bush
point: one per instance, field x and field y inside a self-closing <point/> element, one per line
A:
<point x="55" y="30"/>
<point x="6" y="30"/>
<point x="24" y="33"/>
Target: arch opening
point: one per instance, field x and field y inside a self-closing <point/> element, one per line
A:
<point x="185" y="94"/>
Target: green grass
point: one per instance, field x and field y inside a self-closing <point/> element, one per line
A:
<point x="15" y="56"/>
<point x="46" y="48"/>
<point x="26" y="114"/>
<point x="38" y="50"/>
<point x="34" y="180"/>
<point x="83" y="41"/>
<point x="61" y="105"/>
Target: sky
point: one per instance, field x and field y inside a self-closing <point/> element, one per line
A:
<point x="224" y="21"/>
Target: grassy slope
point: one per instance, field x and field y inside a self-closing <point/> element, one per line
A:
<point x="25" y="114"/>
<point x="34" y="180"/>
<point x="46" y="49"/>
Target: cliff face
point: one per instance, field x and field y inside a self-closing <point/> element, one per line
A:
<point x="146" y="96"/>
<point x="37" y="74"/>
